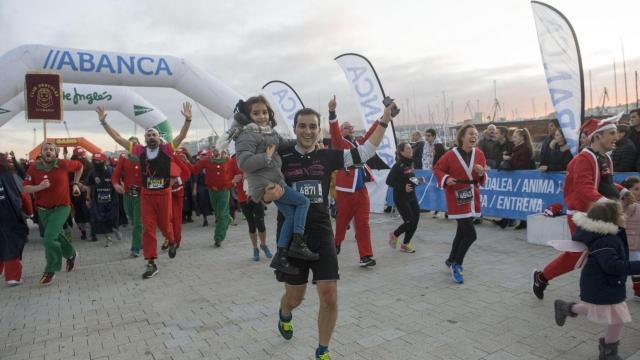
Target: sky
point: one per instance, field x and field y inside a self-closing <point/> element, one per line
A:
<point x="421" y="50"/>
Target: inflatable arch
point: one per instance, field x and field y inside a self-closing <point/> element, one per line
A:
<point x="110" y="68"/>
<point x="65" y="143"/>
<point x="80" y="97"/>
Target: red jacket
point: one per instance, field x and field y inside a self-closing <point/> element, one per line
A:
<point x="218" y="176"/>
<point x="181" y="170"/>
<point x="452" y="165"/>
<point x="346" y="179"/>
<point x="582" y="181"/>
<point x="235" y="170"/>
<point x="130" y="168"/>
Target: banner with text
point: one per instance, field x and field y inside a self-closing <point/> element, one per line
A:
<point x="82" y="97"/>
<point x="563" y="67"/>
<point x="507" y="194"/>
<point x="83" y="66"/>
<point x="367" y="89"/>
<point x="286" y="102"/>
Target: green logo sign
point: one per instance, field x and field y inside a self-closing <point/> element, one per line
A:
<point x="4" y="111"/>
<point x="90" y="98"/>
<point x="139" y="110"/>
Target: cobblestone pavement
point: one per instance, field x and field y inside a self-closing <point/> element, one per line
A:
<point x="218" y="304"/>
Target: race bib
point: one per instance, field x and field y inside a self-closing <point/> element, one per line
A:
<point x="104" y="197"/>
<point x="312" y="189"/>
<point x="155" y="183"/>
<point x="464" y="196"/>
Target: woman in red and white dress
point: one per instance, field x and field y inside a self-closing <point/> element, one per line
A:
<point x="461" y="172"/>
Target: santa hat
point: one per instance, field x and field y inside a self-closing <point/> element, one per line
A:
<point x="553" y="210"/>
<point x="78" y="151"/>
<point x="592" y="126"/>
<point x="99" y="156"/>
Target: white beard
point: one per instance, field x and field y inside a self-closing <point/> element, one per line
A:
<point x="152" y="153"/>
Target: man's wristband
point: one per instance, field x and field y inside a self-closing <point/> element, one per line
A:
<point x="187" y="119"/>
<point x="383" y="124"/>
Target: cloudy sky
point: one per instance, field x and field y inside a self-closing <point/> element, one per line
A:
<point x="420" y="49"/>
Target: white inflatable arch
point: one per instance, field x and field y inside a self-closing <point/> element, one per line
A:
<point x="111" y="68"/>
<point x="82" y="97"/>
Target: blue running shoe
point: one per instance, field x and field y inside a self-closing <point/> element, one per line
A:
<point x="256" y="255"/>
<point x="266" y="251"/>
<point x="456" y="273"/>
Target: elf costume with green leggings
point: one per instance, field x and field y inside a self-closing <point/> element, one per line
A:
<point x="48" y="179"/>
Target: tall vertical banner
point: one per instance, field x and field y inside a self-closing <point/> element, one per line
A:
<point x="366" y="87"/>
<point x="286" y="102"/>
<point x="563" y="67"/>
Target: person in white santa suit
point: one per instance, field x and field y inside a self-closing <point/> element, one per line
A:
<point x="589" y="179"/>
<point x="461" y="172"/>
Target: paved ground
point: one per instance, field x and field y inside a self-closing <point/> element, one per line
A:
<point x="217" y="304"/>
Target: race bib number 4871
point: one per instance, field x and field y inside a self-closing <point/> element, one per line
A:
<point x="312" y="189"/>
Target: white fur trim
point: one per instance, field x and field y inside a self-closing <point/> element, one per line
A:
<point x="623" y="192"/>
<point x="596" y="226"/>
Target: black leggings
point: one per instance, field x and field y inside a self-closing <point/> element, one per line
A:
<point x="254" y="213"/>
<point x="410" y="211"/>
<point x="465" y="236"/>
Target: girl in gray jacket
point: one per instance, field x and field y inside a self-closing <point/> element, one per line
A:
<point x="256" y="144"/>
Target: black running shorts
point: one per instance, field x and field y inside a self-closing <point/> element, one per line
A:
<point x="320" y="239"/>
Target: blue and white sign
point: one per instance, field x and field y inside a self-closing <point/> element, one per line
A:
<point x="563" y="68"/>
<point x="366" y="87"/>
<point x="507" y="194"/>
<point x="286" y="103"/>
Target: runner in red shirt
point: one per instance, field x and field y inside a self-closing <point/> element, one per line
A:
<point x="48" y="179"/>
<point x="155" y="166"/>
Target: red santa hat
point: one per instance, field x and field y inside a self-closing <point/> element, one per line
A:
<point x="553" y="210"/>
<point x="99" y="156"/>
<point x="592" y="126"/>
<point x="78" y="151"/>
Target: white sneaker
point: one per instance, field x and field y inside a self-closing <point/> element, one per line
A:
<point x="14" y="282"/>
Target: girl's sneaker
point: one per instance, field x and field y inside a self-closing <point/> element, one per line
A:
<point x="456" y="273"/>
<point x="256" y="255"/>
<point x="393" y="240"/>
<point x="266" y="251"/>
<point x="408" y="248"/>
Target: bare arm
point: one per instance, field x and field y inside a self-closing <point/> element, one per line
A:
<point x="31" y="189"/>
<point x="186" y="112"/>
<point x="102" y="116"/>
